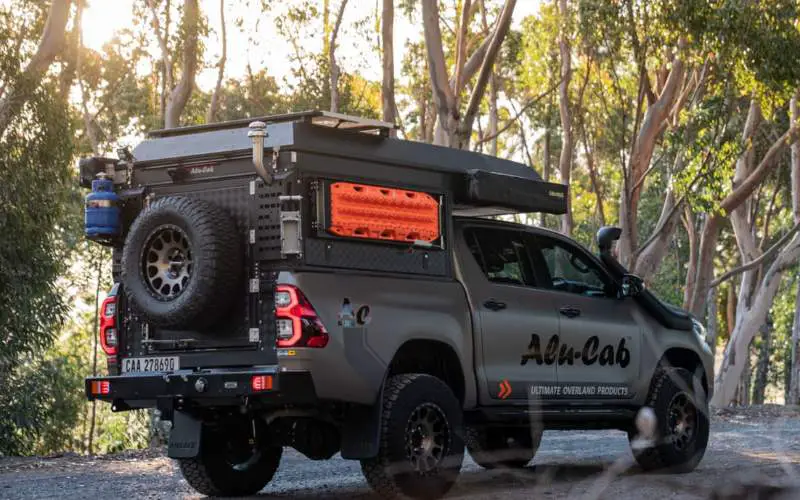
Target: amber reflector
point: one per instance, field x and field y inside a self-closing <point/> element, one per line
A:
<point x="362" y="211"/>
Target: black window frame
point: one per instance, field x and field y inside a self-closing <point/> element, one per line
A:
<point x="542" y="271"/>
<point x="530" y="275"/>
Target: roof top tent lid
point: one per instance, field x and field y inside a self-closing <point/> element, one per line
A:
<point x="321" y="118"/>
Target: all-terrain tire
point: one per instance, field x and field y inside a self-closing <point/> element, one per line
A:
<point x="501" y="447"/>
<point x="211" y="474"/>
<point x="214" y="252"/>
<point x="669" y="387"/>
<point x="392" y="473"/>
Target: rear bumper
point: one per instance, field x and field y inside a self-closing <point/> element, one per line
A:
<point x="211" y="387"/>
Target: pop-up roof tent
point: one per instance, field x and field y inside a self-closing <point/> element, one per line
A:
<point x="356" y="148"/>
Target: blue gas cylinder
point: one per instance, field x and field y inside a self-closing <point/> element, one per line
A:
<point x="102" y="209"/>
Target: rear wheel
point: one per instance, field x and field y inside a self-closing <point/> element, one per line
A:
<point x="421" y="449"/>
<point x="230" y="464"/>
<point x="495" y="447"/>
<point x="681" y="428"/>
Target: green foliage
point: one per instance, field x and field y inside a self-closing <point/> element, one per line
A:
<point x="38" y="206"/>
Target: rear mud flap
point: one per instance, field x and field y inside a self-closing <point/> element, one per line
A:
<point x="184" y="438"/>
<point x="361" y="433"/>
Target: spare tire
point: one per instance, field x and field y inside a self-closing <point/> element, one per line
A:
<point x="182" y="263"/>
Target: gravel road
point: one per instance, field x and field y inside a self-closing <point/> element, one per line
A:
<point x="756" y="446"/>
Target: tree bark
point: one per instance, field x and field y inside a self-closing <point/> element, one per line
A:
<point x="442" y="93"/>
<point x="691" y="268"/>
<point x="387" y="87"/>
<point x="712" y="324"/>
<point x="793" y="364"/>
<point x="750" y="319"/>
<point x="50" y="45"/>
<point x="655" y="117"/>
<point x="491" y="130"/>
<point x="332" y="59"/>
<point x="746" y="180"/>
<point x="453" y="129"/>
<point x="565" y="161"/>
<point x="179" y="96"/>
<point x="546" y="169"/>
<point x="213" y="107"/>
<point x="487" y="67"/>
<point x="762" y="366"/>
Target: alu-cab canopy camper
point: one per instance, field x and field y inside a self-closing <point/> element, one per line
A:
<point x="322" y="189"/>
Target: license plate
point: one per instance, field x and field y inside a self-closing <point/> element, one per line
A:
<point x="152" y="364"/>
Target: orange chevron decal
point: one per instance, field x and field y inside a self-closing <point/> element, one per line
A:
<point x="505" y="390"/>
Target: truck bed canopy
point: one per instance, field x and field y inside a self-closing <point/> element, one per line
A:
<point x="480" y="184"/>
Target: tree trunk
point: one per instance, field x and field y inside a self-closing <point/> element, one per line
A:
<point x="743" y="390"/>
<point x="546" y="167"/>
<point x="762" y="365"/>
<point x="655" y="117"/>
<point x="793" y="363"/>
<point x="749" y="319"/>
<point x="454" y="129"/>
<point x="95" y="338"/>
<point x="50" y="45"/>
<point x="213" y="107"/>
<point x="387" y="88"/>
<point x="565" y="161"/>
<point x="332" y="59"/>
<point x="712" y="324"/>
<point x="179" y="96"/>
<point x="493" y="118"/>
<point x="691" y="268"/>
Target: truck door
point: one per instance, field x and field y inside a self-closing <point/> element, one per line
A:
<point x="599" y="339"/>
<point x="507" y="309"/>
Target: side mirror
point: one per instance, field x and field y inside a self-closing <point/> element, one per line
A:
<point x="631" y="285"/>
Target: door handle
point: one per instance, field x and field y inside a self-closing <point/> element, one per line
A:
<point x="570" y="312"/>
<point x="494" y="305"/>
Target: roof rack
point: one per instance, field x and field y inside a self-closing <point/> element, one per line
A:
<point x="316" y="117"/>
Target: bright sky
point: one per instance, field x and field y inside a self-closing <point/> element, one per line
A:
<point x="103" y="17"/>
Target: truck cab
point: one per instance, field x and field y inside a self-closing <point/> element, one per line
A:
<point x="307" y="281"/>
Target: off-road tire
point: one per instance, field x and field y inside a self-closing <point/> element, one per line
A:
<point x="210" y="474"/>
<point x="391" y="473"/>
<point x="217" y="257"/>
<point x="664" y="455"/>
<point x="502" y="447"/>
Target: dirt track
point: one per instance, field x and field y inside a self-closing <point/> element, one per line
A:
<point x="757" y="446"/>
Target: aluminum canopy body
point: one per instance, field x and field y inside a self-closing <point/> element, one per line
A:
<point x="479" y="184"/>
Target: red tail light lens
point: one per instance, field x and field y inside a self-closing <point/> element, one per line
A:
<point x="101" y="387"/>
<point x="261" y="383"/>
<point x="297" y="323"/>
<point x="108" y="326"/>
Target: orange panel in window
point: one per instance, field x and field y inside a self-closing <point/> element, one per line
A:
<point x="362" y="211"/>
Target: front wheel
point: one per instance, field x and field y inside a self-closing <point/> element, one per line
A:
<point x="421" y="448"/>
<point x="229" y="464"/>
<point x="681" y="429"/>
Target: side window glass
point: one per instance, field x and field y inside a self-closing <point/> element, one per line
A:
<point x="571" y="271"/>
<point x="501" y="255"/>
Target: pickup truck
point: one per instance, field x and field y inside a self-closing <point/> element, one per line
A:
<point x="307" y="281"/>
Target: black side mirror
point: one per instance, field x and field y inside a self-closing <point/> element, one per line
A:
<point x="631" y="286"/>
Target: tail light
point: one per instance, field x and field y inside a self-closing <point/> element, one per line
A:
<point x="108" y="326"/>
<point x="261" y="383"/>
<point x="296" y="320"/>
<point x="101" y="387"/>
